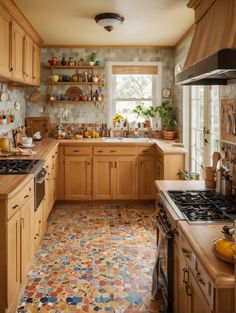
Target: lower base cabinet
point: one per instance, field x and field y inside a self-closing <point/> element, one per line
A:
<point x="40" y="224"/>
<point x="78" y="177"/>
<point x="146" y="177"/>
<point x="19" y="252"/>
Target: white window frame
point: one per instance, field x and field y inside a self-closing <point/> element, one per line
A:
<point x="157" y="86"/>
<point x="187" y="121"/>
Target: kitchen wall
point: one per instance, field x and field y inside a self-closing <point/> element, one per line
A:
<point x="13" y="96"/>
<point x="88" y="112"/>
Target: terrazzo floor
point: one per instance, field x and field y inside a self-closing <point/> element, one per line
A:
<point x="94" y="258"/>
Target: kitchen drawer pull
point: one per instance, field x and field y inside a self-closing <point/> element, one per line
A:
<point x="26" y="196"/>
<point x="187" y="253"/>
<point x="188" y="290"/>
<point x="88" y="163"/>
<point x="201" y="281"/>
<point x="15" y="206"/>
<point x="100" y="150"/>
<point x="40" y="222"/>
<point x="185" y="271"/>
<point x="145" y="151"/>
<point x="113" y="150"/>
<point x="76" y="150"/>
<point x="53" y="156"/>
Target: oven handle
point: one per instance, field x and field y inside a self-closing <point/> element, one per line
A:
<point x="167" y="233"/>
<point x="41" y="179"/>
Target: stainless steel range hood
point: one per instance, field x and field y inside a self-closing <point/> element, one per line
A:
<point x="215" y="69"/>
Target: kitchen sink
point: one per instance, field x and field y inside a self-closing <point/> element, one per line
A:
<point x="120" y="139"/>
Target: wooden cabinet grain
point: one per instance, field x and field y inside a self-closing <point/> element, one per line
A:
<point x="5" y="44"/>
<point x="103" y="177"/>
<point x="146" y="177"/>
<point x="19" y="250"/>
<point x="78" y="177"/>
<point x="18" y="50"/>
<point x="36" y="65"/>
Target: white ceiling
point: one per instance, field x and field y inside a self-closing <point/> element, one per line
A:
<point x="147" y="22"/>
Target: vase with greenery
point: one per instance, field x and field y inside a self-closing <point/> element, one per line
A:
<point x="92" y="58"/>
<point x="168" y="116"/>
<point x="146" y="112"/>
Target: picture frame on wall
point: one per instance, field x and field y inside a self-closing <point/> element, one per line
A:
<point x="166" y="93"/>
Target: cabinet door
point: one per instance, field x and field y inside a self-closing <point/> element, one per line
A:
<point x="126" y="177"/>
<point x="18" y="45"/>
<point x="29" y="47"/>
<point x="36" y="65"/>
<point x="146" y="177"/>
<point x="13" y="257"/>
<point x="180" y="295"/>
<point x="198" y="302"/>
<point x="5" y="44"/>
<point x="78" y="177"/>
<point x="103" y="177"/>
<point x="26" y="236"/>
<point x="48" y="188"/>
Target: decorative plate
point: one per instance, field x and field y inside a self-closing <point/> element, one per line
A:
<point x="73" y="93"/>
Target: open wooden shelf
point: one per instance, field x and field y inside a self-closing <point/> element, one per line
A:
<point x="86" y="67"/>
<point x="74" y="101"/>
<point x="76" y="83"/>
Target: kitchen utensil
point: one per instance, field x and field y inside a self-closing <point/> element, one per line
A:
<point x="216" y="157"/>
<point x="27" y="141"/>
<point x="209" y="177"/>
<point x="35" y="95"/>
<point x="226" y="186"/>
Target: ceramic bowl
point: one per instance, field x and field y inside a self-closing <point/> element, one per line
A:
<point x="27" y="141"/>
<point x="54" y="78"/>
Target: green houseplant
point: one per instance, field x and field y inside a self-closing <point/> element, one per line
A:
<point x="147" y="113"/>
<point x="92" y="58"/>
<point x="168" y="116"/>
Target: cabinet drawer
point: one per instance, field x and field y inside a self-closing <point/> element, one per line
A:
<point x="145" y="150"/>
<point x="16" y="202"/>
<point x="77" y="150"/>
<point x="114" y="150"/>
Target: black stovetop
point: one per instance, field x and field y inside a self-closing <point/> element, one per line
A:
<point x="204" y="205"/>
<point x="17" y="166"/>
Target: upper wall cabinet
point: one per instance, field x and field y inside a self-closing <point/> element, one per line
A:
<point x="19" y="47"/>
<point x="5" y="46"/>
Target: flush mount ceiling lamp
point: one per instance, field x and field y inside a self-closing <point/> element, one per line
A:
<point x="109" y="21"/>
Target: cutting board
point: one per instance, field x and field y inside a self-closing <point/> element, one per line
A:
<point x="35" y="124"/>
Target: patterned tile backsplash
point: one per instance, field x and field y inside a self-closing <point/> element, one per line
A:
<point x="88" y="112"/>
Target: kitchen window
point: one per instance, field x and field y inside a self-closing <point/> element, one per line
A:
<point x="204" y="126"/>
<point x="133" y="83"/>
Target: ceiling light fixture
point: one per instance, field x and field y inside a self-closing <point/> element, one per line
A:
<point x="109" y="20"/>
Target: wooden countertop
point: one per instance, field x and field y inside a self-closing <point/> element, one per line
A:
<point x="200" y="237"/>
<point x="179" y="185"/>
<point x="12" y="184"/>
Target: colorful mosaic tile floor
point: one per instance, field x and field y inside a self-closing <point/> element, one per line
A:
<point x="94" y="259"/>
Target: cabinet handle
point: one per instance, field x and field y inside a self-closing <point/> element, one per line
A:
<point x="76" y="150"/>
<point x="15" y="206"/>
<point x="11" y="69"/>
<point x="34" y="77"/>
<point x="40" y="222"/>
<point x="184" y="276"/>
<point x="187" y="253"/>
<point x="145" y="151"/>
<point x="88" y="163"/>
<point x="113" y="151"/>
<point x="100" y="151"/>
<point x="22" y="222"/>
<point x="141" y="162"/>
<point x="115" y="164"/>
<point x="26" y="196"/>
<point x="201" y="281"/>
<point x="188" y="290"/>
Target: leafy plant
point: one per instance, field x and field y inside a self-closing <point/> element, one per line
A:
<point x="92" y="57"/>
<point x="149" y="112"/>
<point x="168" y="116"/>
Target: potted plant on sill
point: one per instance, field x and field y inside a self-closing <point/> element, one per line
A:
<point x="92" y="58"/>
<point x="148" y="113"/>
<point x="168" y="116"/>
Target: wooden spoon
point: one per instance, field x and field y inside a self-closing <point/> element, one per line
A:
<point x="216" y="157"/>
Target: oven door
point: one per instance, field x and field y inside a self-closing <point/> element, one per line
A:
<point x="163" y="272"/>
<point x="39" y="188"/>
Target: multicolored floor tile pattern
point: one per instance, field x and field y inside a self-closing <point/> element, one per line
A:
<point x="94" y="258"/>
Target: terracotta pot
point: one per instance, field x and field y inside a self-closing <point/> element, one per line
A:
<point x="169" y="135"/>
<point x="148" y="124"/>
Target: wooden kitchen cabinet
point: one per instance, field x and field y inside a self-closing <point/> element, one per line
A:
<point x="5" y="44"/>
<point x="103" y="178"/>
<point x="19" y="239"/>
<point x="40" y="225"/>
<point x="78" y="177"/>
<point x="146" y="177"/>
<point x="18" y="52"/>
<point x="126" y="177"/>
<point x="19" y="46"/>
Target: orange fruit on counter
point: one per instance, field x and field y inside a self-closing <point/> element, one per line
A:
<point x="225" y="248"/>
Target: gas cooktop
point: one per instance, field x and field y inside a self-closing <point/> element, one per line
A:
<point x="18" y="166"/>
<point x="197" y="206"/>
